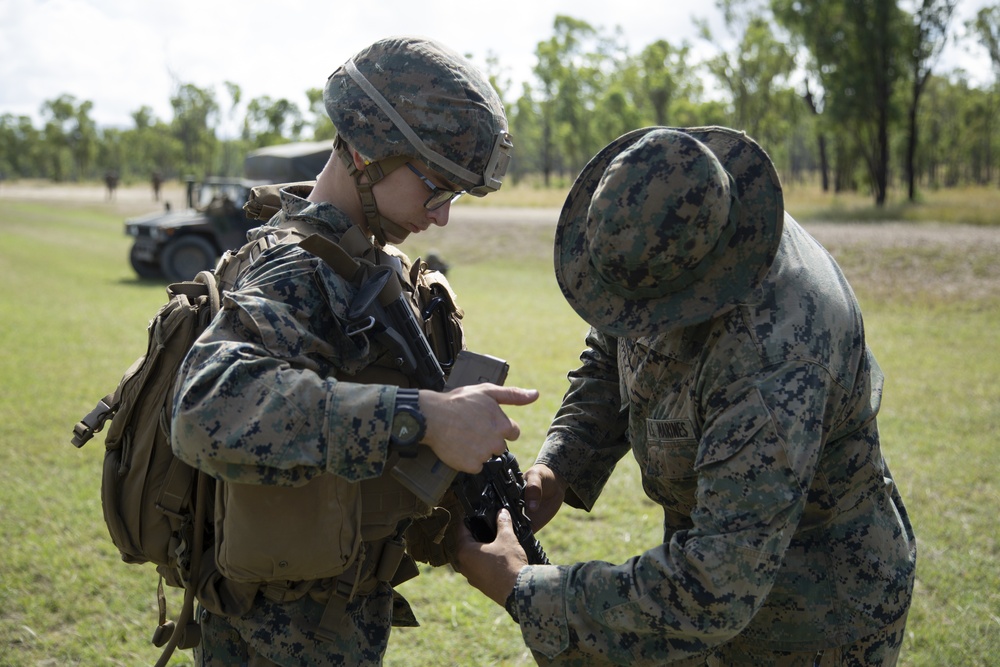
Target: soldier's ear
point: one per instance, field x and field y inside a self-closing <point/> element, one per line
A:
<point x="359" y="161"/>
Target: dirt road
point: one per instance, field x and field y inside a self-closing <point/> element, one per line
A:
<point x="890" y="258"/>
<point x="886" y="259"/>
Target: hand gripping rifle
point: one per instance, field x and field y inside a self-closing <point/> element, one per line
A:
<point x="499" y="485"/>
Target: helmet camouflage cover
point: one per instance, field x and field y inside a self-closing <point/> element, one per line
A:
<point x="406" y="96"/>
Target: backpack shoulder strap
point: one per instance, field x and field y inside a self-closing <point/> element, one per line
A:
<point x="333" y="254"/>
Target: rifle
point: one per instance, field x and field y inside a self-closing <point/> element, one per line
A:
<point x="499" y="485"/>
<point x="381" y="309"/>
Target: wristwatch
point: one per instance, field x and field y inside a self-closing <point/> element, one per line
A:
<point x="408" y="423"/>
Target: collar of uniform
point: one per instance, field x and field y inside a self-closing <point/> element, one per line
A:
<point x="684" y="345"/>
<point x="321" y="214"/>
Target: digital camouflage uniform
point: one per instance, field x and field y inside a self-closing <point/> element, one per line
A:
<point x="259" y="404"/>
<point x="282" y="393"/>
<point x="755" y="431"/>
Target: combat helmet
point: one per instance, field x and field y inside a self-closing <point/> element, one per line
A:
<point x="405" y="98"/>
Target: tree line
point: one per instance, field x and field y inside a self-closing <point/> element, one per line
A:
<point x="845" y="92"/>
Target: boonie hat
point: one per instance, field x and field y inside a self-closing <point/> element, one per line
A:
<point x="665" y="227"/>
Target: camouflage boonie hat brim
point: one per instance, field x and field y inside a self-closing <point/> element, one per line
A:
<point x="665" y="227"/>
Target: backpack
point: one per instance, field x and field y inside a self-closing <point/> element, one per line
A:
<point x="157" y="508"/>
<point x="155" y="505"/>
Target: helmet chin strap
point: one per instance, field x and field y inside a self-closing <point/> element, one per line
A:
<point x="378" y="224"/>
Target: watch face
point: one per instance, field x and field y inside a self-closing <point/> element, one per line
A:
<point x="406" y="427"/>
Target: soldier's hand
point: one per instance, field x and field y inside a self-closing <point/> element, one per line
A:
<point x="544" y="493"/>
<point x="466" y="426"/>
<point x="492" y="567"/>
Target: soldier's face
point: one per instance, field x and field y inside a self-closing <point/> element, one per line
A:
<point x="401" y="197"/>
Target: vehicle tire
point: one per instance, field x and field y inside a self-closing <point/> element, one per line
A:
<point x="185" y="256"/>
<point x="142" y="267"/>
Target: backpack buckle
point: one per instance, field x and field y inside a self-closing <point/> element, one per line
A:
<point x="93" y="422"/>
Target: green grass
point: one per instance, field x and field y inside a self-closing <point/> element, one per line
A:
<point x="973" y="205"/>
<point x="940" y="425"/>
<point x="968" y="205"/>
<point x="73" y="317"/>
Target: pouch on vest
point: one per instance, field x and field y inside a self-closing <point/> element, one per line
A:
<point x="274" y="533"/>
<point x="440" y="313"/>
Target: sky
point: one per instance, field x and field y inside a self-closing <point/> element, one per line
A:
<point x="125" y="54"/>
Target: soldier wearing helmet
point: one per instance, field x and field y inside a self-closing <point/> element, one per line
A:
<point x="299" y="412"/>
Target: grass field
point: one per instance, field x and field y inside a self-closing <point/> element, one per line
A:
<point x="72" y="318"/>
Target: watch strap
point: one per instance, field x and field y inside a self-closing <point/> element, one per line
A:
<point x="407" y="396"/>
<point x="408" y="404"/>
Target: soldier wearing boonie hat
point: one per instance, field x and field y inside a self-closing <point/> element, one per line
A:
<point x="300" y="413"/>
<point x="727" y="352"/>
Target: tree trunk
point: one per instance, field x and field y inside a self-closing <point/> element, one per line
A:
<point x="824" y="163"/>
<point x="911" y="146"/>
<point x="882" y="165"/>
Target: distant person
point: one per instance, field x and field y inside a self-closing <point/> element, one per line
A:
<point x="727" y="353"/>
<point x="157" y="180"/>
<point x="111" y="182"/>
<point x="436" y="262"/>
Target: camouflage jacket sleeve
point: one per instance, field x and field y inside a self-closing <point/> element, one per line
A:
<point x="588" y="435"/>
<point x="703" y="585"/>
<point x="258" y="400"/>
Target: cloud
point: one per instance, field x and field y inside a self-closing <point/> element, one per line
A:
<point x="123" y="54"/>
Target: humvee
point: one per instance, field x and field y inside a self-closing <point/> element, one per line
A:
<point x="176" y="245"/>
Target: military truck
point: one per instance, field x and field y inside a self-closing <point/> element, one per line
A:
<point x="177" y="244"/>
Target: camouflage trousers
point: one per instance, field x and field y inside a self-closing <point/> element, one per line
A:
<point x="879" y="649"/>
<point x="282" y="634"/>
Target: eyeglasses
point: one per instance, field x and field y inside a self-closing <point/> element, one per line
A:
<point x="439" y="196"/>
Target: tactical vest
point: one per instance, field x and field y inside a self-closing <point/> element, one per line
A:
<point x="286" y="539"/>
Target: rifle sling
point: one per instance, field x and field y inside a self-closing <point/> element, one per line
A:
<point x="332" y="254"/>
